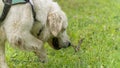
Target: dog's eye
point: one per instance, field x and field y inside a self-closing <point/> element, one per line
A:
<point x="63" y="29"/>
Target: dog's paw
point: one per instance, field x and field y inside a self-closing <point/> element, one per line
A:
<point x="42" y="56"/>
<point x="43" y="60"/>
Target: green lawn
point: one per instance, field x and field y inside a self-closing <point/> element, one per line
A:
<point x="98" y="21"/>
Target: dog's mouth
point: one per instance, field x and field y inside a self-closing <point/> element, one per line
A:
<point x="55" y="43"/>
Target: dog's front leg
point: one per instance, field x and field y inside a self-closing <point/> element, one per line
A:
<point x="3" y="63"/>
<point x="35" y="45"/>
<point x="41" y="55"/>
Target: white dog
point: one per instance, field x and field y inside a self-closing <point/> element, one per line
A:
<point x="50" y="27"/>
<point x="17" y="26"/>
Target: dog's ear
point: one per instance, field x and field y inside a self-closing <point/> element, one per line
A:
<point x="55" y="23"/>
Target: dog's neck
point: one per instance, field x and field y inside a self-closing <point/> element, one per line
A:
<point x="40" y="31"/>
<point x="41" y="5"/>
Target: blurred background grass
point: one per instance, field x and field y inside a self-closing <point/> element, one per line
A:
<point x="98" y="21"/>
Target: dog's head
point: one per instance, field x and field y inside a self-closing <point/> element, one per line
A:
<point x="57" y="22"/>
<point x="60" y="41"/>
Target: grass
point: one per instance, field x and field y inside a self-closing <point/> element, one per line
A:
<point x="98" y="21"/>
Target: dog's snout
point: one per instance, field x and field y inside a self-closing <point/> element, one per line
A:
<point x="67" y="44"/>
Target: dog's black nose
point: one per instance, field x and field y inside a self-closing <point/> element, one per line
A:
<point x="68" y="44"/>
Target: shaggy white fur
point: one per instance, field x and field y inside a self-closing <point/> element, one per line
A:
<point x="19" y="24"/>
<point x="47" y="10"/>
<point x="17" y="27"/>
<point x="1" y="6"/>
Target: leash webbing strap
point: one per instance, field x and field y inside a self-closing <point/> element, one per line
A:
<point x="9" y="2"/>
<point x="5" y="9"/>
<point x="7" y="6"/>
